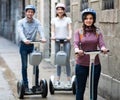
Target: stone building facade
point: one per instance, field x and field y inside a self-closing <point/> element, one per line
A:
<point x="108" y="12"/>
<point x="13" y="10"/>
<point x="7" y="18"/>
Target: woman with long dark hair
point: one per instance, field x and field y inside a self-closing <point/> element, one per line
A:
<point x="61" y="29"/>
<point x="87" y="38"/>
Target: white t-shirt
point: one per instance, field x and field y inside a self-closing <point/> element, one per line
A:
<point x="61" y="26"/>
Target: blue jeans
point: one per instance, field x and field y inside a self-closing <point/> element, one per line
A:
<point x="67" y="49"/>
<point x="82" y="73"/>
<point x="25" y="50"/>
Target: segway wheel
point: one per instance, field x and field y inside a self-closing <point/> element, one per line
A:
<point x="74" y="87"/>
<point x="44" y="88"/>
<point x="51" y="88"/>
<point x="20" y="89"/>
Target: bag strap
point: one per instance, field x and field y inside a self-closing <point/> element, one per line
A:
<point x="81" y="33"/>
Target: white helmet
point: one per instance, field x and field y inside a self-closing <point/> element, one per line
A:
<point x="61" y="5"/>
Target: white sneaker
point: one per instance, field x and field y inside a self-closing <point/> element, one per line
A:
<point x="68" y="83"/>
<point x="57" y="83"/>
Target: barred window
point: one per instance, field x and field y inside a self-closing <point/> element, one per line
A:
<point x="108" y="4"/>
<point x="84" y="4"/>
<point x="67" y="3"/>
<point x="23" y="8"/>
<point x="0" y="10"/>
<point x="8" y="10"/>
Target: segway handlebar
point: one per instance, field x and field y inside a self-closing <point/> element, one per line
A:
<point x="37" y="41"/>
<point x="61" y="40"/>
<point x="95" y="51"/>
<point x="100" y="51"/>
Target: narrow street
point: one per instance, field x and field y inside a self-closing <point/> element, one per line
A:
<point x="5" y="90"/>
<point x="10" y="73"/>
<point x="10" y="66"/>
<point x="104" y="22"/>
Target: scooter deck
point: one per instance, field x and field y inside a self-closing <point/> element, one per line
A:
<point x="62" y="87"/>
<point x="34" y="92"/>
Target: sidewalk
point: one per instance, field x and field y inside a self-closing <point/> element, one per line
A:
<point x="5" y="91"/>
<point x="10" y="54"/>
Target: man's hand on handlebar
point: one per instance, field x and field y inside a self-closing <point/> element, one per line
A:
<point x="27" y="42"/>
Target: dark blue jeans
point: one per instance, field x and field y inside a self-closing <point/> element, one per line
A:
<point x="25" y="50"/>
<point x="82" y="73"/>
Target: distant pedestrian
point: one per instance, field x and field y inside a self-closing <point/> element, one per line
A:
<point x="87" y="38"/>
<point x="27" y="29"/>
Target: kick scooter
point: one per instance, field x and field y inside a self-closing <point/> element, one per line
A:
<point x="42" y="88"/>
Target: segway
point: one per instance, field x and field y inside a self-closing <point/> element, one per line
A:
<point x="91" y="71"/>
<point x="61" y="59"/>
<point x="37" y="87"/>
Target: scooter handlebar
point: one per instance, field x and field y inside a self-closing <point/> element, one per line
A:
<point x="61" y="40"/>
<point x="37" y="41"/>
<point x="94" y="51"/>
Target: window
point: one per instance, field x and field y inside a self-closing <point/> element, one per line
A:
<point x="108" y="4"/>
<point x="67" y="3"/>
<point x="84" y="4"/>
<point x="23" y="8"/>
<point x="8" y="10"/>
<point x="0" y="10"/>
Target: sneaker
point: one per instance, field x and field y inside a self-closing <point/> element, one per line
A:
<point x="57" y="83"/>
<point x="68" y="83"/>
<point x="27" y="91"/>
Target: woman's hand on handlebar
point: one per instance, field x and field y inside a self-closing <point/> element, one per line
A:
<point x="43" y="40"/>
<point x="53" y="38"/>
<point x="79" y="52"/>
<point x="104" y="50"/>
<point x="68" y="38"/>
